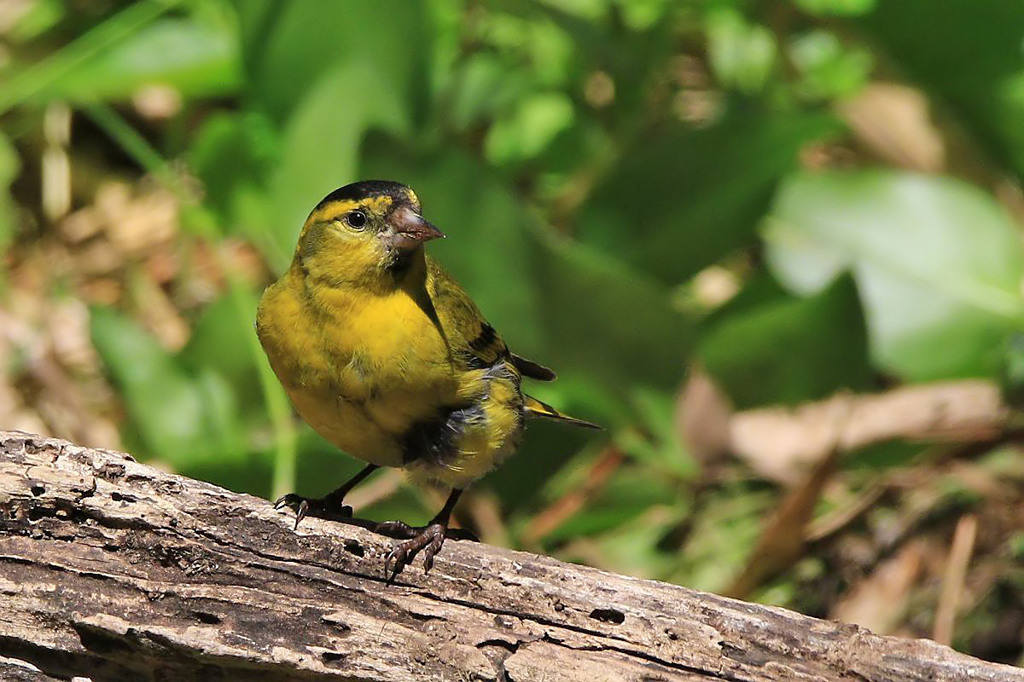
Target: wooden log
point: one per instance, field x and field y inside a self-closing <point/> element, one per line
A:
<point x="113" y="570"/>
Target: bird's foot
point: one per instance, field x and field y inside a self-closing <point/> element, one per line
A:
<point x="427" y="539"/>
<point x="326" y="507"/>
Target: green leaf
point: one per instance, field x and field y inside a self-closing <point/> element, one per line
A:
<point x="9" y="167"/>
<point x="178" y="418"/>
<point x="642" y="14"/>
<point x="290" y="48"/>
<point x="195" y="58"/>
<point x="37" y="18"/>
<point x="791" y="351"/>
<point x="742" y="55"/>
<point x="632" y="547"/>
<point x="544" y="45"/>
<point x="591" y="10"/>
<point x="483" y="85"/>
<point x="26" y="84"/>
<point x="660" y="446"/>
<point x="828" y="68"/>
<point x="969" y="55"/>
<point x="607" y="323"/>
<point x="327" y="87"/>
<point x="724" y="533"/>
<point x="621" y="44"/>
<point x="682" y="199"/>
<point x="231" y="153"/>
<point x="937" y="262"/>
<point x="217" y="340"/>
<point x="840" y="8"/>
<point x="1011" y="371"/>
<point x="529" y="129"/>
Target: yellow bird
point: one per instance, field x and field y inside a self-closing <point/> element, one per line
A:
<point x="384" y="355"/>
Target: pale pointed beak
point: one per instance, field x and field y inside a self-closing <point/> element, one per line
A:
<point x="409" y="229"/>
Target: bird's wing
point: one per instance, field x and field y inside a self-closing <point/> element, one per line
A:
<point x="475" y="342"/>
<point x="471" y="338"/>
<point x="468" y="332"/>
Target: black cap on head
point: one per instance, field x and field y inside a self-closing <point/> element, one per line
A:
<point x="367" y="188"/>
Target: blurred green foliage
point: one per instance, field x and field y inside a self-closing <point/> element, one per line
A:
<point x="590" y="159"/>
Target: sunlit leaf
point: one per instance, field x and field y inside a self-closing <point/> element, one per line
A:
<point x="661" y="446"/>
<point x="37" y="18"/>
<point x="483" y="87"/>
<point x="642" y="14"/>
<point x="585" y="9"/>
<point x="742" y="54"/>
<point x="938" y="264"/>
<point x="194" y="58"/>
<point x="529" y="128"/>
<point x="829" y="69"/>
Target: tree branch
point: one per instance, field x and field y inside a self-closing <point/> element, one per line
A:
<point x="113" y="570"/>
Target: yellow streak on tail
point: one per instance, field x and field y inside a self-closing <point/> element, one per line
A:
<point x="536" y="408"/>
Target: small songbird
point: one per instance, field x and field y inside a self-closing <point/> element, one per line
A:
<point x="385" y="356"/>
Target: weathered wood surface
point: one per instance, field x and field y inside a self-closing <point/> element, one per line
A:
<point x="110" y="569"/>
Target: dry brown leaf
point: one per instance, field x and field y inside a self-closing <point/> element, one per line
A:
<point x="779" y="443"/>
<point x="879" y="601"/>
<point x="894" y="122"/>
<point x="702" y="417"/>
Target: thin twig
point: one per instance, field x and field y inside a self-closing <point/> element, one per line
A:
<point x="953" y="581"/>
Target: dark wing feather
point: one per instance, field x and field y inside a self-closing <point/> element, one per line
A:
<point x="529" y="368"/>
<point x="470" y="337"/>
<point x="467" y="329"/>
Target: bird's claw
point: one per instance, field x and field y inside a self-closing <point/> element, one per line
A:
<point x="324" y="507"/>
<point x="429" y="540"/>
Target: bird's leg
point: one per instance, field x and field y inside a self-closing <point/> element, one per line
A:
<point x="429" y="539"/>
<point x="330" y="505"/>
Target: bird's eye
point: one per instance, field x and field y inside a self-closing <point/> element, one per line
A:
<point x="356" y="219"/>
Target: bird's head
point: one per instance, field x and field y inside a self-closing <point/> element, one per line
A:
<point x="364" y="231"/>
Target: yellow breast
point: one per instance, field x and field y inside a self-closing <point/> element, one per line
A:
<point x="360" y="369"/>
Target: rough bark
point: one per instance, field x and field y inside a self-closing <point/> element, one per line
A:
<point x="110" y="569"/>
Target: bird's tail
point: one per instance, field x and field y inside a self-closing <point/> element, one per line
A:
<point x="535" y="408"/>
